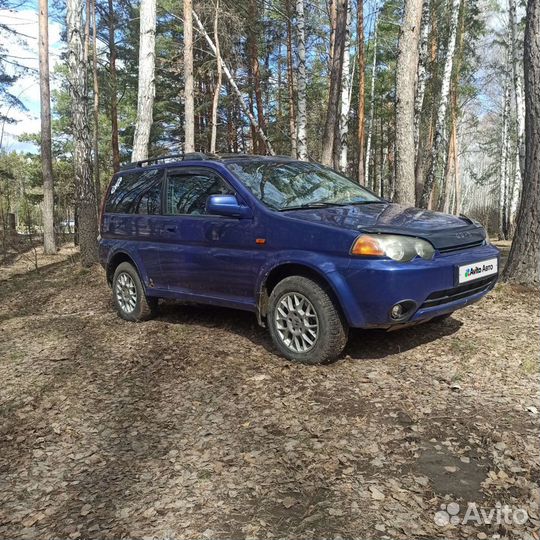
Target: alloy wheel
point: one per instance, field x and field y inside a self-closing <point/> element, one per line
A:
<point x="297" y="323"/>
<point x="126" y="292"/>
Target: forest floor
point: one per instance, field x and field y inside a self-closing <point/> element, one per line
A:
<point x="190" y="426"/>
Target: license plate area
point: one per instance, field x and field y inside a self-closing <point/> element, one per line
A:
<point x="467" y="273"/>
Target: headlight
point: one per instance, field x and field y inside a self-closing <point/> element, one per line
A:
<point x="393" y="246"/>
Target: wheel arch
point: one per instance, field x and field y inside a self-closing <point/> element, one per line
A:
<point x="288" y="269"/>
<point x="116" y="259"/>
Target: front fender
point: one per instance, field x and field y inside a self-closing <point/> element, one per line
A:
<point x="328" y="269"/>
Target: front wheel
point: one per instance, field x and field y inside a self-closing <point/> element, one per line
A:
<point x="129" y="297"/>
<point x="305" y="324"/>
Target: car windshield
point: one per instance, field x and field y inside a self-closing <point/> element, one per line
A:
<point x="284" y="185"/>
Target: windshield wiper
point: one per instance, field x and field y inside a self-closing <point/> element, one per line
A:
<point x="367" y="202"/>
<point x="309" y="206"/>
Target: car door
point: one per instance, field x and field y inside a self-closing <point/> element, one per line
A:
<point x="205" y="254"/>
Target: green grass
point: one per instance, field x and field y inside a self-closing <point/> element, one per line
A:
<point x="530" y="365"/>
<point x="463" y="346"/>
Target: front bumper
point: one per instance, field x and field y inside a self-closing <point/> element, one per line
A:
<point x="370" y="287"/>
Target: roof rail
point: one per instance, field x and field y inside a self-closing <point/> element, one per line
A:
<point x="225" y="155"/>
<point x="195" y="156"/>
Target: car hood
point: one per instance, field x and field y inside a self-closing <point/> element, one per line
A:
<point x="444" y="231"/>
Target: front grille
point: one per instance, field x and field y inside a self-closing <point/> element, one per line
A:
<point x="462" y="246"/>
<point x="457" y="293"/>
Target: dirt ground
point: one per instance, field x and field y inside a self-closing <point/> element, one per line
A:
<point x="190" y="426"/>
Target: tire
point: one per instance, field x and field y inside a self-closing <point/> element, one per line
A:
<point x="331" y="329"/>
<point x="134" y="305"/>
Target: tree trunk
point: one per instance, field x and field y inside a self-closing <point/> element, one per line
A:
<point x="96" y="105"/>
<point x="189" y="99"/>
<point x="256" y="72"/>
<point x="346" y="81"/>
<point x="234" y="87"/>
<point x="371" y="103"/>
<point x="332" y="13"/>
<point x="421" y="72"/>
<point x="302" y="114"/>
<point x="517" y="72"/>
<point x="335" y="83"/>
<point x="49" y="243"/>
<point x="361" y="59"/>
<point x="146" y="89"/>
<point x="523" y="261"/>
<point x="114" y="91"/>
<point x="425" y="141"/>
<point x="503" y="169"/>
<point x="86" y="49"/>
<point x="215" y="101"/>
<point x="407" y="65"/>
<point x="450" y="169"/>
<point x="82" y="153"/>
<point x="291" y="84"/>
<point x="457" y="179"/>
<point x="442" y="108"/>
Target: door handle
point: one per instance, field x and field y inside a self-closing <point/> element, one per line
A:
<point x="170" y="229"/>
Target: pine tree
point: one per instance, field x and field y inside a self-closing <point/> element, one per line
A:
<point x="405" y="94"/>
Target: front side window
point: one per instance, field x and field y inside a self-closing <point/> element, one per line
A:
<point x="187" y="193"/>
<point x="128" y="190"/>
<point x="283" y="185"/>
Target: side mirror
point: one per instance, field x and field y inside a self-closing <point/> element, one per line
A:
<point x="227" y="205"/>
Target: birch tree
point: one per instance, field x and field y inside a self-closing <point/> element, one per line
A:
<point x="361" y="60"/>
<point x="335" y="83"/>
<point x="95" y="79"/>
<point x="113" y="88"/>
<point x="523" y="260"/>
<point x="371" y="102"/>
<point x="49" y="243"/>
<point x="421" y="72"/>
<point x="189" y="92"/>
<point x="82" y="151"/>
<point x="291" y="82"/>
<point x="407" y="64"/>
<point x="518" y="86"/>
<point x="503" y="169"/>
<point x="442" y="108"/>
<point x="146" y="88"/>
<point x="234" y="86"/>
<point x="301" y="121"/>
<point x="345" y="105"/>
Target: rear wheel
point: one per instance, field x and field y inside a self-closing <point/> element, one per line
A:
<point x="129" y="297"/>
<point x="305" y="324"/>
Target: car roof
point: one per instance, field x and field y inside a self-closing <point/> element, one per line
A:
<point x="179" y="159"/>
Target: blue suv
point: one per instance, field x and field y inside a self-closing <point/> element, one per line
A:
<point x="308" y="251"/>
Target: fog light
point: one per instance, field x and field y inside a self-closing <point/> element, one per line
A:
<point x="397" y="311"/>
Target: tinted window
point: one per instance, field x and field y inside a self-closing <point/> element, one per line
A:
<point x="284" y="184"/>
<point x="150" y="201"/>
<point x="128" y="190"/>
<point x="187" y="193"/>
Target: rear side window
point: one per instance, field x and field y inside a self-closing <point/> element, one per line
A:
<point x="187" y="193"/>
<point x="135" y="193"/>
<point x="150" y="201"/>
